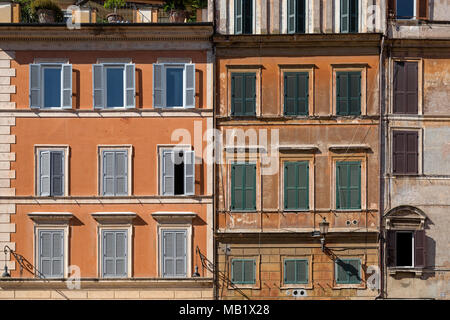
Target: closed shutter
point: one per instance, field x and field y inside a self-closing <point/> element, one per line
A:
<point x="345" y="16"/>
<point x="237" y="93"/>
<point x="35" y="86"/>
<point x="57" y="173"/>
<point x="290" y="186"/>
<point x="174" y="254"/>
<point x="296" y="177"/>
<point x="168" y="173"/>
<point x="405" y="152"/>
<point x="291" y="16"/>
<point x="121" y="173"/>
<point x="300" y="16"/>
<point x="301" y="271"/>
<point x="406" y="87"/>
<point x="115" y="247"/>
<point x="341" y="274"/>
<point x="98" y="86"/>
<point x="354" y="103"/>
<point x="348" y="185"/>
<point x="412" y="152"/>
<point x="422" y="9"/>
<point x="303" y="94"/>
<point x="391" y="248"/>
<point x="158" y="86"/>
<point x="290" y="93"/>
<point x="289" y="271"/>
<point x="238" y="21"/>
<point x="66" y="99"/>
<point x="249" y="271"/>
<point x="189" y="172"/>
<point x="51" y="253"/>
<point x="180" y="253"/>
<point x="250" y="94"/>
<point x="108" y="173"/>
<point x="342" y="107"/>
<point x="250" y="187"/>
<point x="419" y="249"/>
<point x="189" y="93"/>
<point x="354" y="269"/>
<point x="348" y="93"/>
<point x="354" y="171"/>
<point x="243" y="271"/>
<point x="44" y="173"/>
<point x="295" y="271"/>
<point x="237" y="271"/>
<point x="130" y="91"/>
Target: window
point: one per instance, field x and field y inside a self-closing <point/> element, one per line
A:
<point x="50" y="173"/>
<point x="174" y="262"/>
<point x="51" y="85"/>
<point x="51" y="253"/>
<point x="296" y="271"/>
<point x="406" y="87"/>
<point x="114" y="253"/>
<point x="243" y="186"/>
<point x="296" y="93"/>
<point x="178" y="172"/>
<point x="405" y="9"/>
<point x="296" y="16"/>
<point x="349" y="16"/>
<point x="406" y="248"/>
<point x="348" y="93"/>
<point x="243" y="16"/>
<point x="243" y="94"/>
<point x="114" y="85"/>
<point x="174" y="85"/>
<point x="296" y="185"/>
<point x="348" y="185"/>
<point x="243" y="271"/>
<point x="114" y="172"/>
<point x="348" y="271"/>
<point x="405" y="152"/>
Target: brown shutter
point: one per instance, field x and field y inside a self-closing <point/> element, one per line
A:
<point x="419" y="248"/>
<point x="390" y="248"/>
<point x="422" y="9"/>
<point x="412" y="152"/>
<point x="399" y="152"/>
<point x="399" y="87"/>
<point x="391" y="8"/>
<point x="411" y="92"/>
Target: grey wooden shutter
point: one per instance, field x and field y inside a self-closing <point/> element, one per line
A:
<point x="121" y="173"/>
<point x="158" y="86"/>
<point x="419" y="249"/>
<point x="391" y="248"/>
<point x="121" y="253"/>
<point x="238" y="21"/>
<point x="51" y="253"/>
<point x="180" y="254"/>
<point x="189" y="172"/>
<point x="108" y="173"/>
<point x="168" y="254"/>
<point x="44" y="173"/>
<point x="45" y="253"/>
<point x="98" y="86"/>
<point x="291" y="16"/>
<point x="115" y="246"/>
<point x="168" y="173"/>
<point x="345" y="15"/>
<point x="35" y="86"/>
<point x="57" y="173"/>
<point x="66" y="92"/>
<point x="189" y="93"/>
<point x="130" y="90"/>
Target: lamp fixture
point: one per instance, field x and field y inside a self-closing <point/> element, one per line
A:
<point x="323" y="227"/>
<point x="5" y="273"/>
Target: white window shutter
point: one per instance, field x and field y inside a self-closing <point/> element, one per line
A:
<point x="189" y="172"/>
<point x="35" y="85"/>
<point x="168" y="173"/>
<point x="159" y="97"/>
<point x="130" y="91"/>
<point x="44" y="173"/>
<point x="98" y="86"/>
<point x="66" y="86"/>
<point x="189" y="83"/>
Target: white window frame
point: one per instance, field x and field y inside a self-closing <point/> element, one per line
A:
<point x="176" y="227"/>
<point x="362" y="14"/>
<point x="412" y="249"/>
<point x="308" y="17"/>
<point x="233" y="31"/>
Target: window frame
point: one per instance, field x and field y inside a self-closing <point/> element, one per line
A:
<point x="349" y="68"/>
<point x="285" y="22"/>
<point x="308" y="191"/>
<point x="177" y="226"/>
<point x="233" y="18"/>
<point x="233" y="112"/>
<point x="360" y="273"/>
<point x="390" y="159"/>
<point x="348" y="163"/>
<point x="295" y="282"/>
<point x="242" y="260"/>
<point x="360" y="20"/>
<point x="250" y="163"/>
<point x="37" y="151"/>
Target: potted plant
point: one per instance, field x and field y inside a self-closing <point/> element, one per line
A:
<point x="47" y="11"/>
<point x="177" y="9"/>
<point x="114" y="4"/>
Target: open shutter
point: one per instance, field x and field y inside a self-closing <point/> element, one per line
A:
<point x="108" y="173"/>
<point x="121" y="254"/>
<point x="422" y="9"/>
<point x="98" y="86"/>
<point x="391" y="8"/>
<point x="35" y="86"/>
<point x="66" y="99"/>
<point x="168" y="253"/>
<point x="58" y="254"/>
<point x="345" y="16"/>
<point x="158" y="86"/>
<point x="390" y="248"/>
<point x="189" y="90"/>
<point x="180" y="254"/>
<point x="121" y="173"/>
<point x="44" y="173"/>
<point x="250" y="94"/>
<point x="57" y="173"/>
<point x="291" y="16"/>
<point x="419" y="248"/>
<point x="189" y="172"/>
<point x="168" y="173"/>
<point x="237" y="94"/>
<point x="238" y="16"/>
<point x="130" y="90"/>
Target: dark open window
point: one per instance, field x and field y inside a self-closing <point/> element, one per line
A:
<point x="296" y="16"/>
<point x="405" y="152"/>
<point x="406" y="248"/>
<point x="406" y="87"/>
<point x="408" y="9"/>
<point x="243" y="16"/>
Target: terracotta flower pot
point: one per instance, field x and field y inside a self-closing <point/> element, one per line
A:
<point x="177" y="15"/>
<point x="46" y="16"/>
<point x="114" y="17"/>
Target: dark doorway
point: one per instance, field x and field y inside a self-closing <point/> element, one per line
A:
<point x="179" y="174"/>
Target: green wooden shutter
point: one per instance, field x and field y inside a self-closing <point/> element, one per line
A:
<point x="354" y="179"/>
<point x="237" y="186"/>
<point x="289" y="271"/>
<point x="250" y="187"/>
<point x="342" y="93"/>
<point x="348" y="185"/>
<point x="290" y="93"/>
<point x="302" y="93"/>
<point x="296" y="185"/>
<point x="303" y="185"/>
<point x="354" y="103"/>
<point x="238" y="16"/>
<point x="345" y="16"/>
<point x="237" y="93"/>
<point x="249" y="271"/>
<point x="354" y="270"/>
<point x="341" y="185"/>
<point x="295" y="271"/>
<point x="243" y="187"/>
<point x="291" y="16"/>
<point x="341" y="273"/>
<point x="250" y="94"/>
<point x="237" y="271"/>
<point x="301" y="271"/>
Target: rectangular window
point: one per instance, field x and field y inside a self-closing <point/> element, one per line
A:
<point x="349" y="16"/>
<point x="348" y="93"/>
<point x="405" y="152"/>
<point x="296" y="16"/>
<point x="405" y="9"/>
<point x="296" y="93"/>
<point x="296" y="185"/>
<point x="114" y="85"/>
<point x="114" y="247"/>
<point x="114" y="172"/>
<point x="243" y="16"/>
<point x="51" y="86"/>
<point x="243" y="271"/>
<point x="51" y="253"/>
<point x="174" y="85"/>
<point x="348" y="185"/>
<point x="295" y="271"/>
<point x="405" y="87"/>
<point x="178" y="172"/>
<point x="348" y="271"/>
<point x="174" y="245"/>
<point x="243" y="94"/>
<point x="243" y="186"/>
<point x="51" y="173"/>
<point x="406" y="248"/>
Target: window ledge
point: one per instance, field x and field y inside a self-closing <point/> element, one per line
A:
<point x="306" y="286"/>
<point x="46" y="217"/>
<point x="349" y="286"/>
<point x="349" y="147"/>
<point x="397" y="270"/>
<point x="114" y="217"/>
<point x="178" y="217"/>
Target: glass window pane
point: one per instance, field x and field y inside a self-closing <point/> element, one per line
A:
<point x="114" y="87"/>
<point x="174" y="84"/>
<point x="52" y="87"/>
<point x="405" y="9"/>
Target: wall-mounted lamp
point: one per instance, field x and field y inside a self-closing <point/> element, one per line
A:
<point x="323" y="227"/>
<point x="196" y="274"/>
<point x="6" y="273"/>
